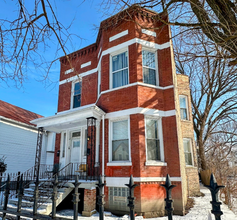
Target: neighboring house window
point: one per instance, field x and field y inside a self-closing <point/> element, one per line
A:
<point x="149" y="67"/>
<point x="188" y="151"/>
<point x="118" y="198"/>
<point x="183" y="107"/>
<point x="77" y="95"/>
<point x="120" y="69"/>
<point x="152" y="140"/>
<point x="120" y="141"/>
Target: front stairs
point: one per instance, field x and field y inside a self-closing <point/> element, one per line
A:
<point x="44" y="199"/>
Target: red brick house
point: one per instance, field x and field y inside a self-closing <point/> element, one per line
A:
<point x="141" y="115"/>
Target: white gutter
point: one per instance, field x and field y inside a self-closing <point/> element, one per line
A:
<point x="19" y="124"/>
<point x="103" y="149"/>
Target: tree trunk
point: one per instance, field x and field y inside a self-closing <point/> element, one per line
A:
<point x="202" y="154"/>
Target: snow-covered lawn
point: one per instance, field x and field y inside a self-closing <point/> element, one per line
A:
<point x="200" y="211"/>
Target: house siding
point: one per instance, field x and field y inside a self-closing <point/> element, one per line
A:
<point x="19" y="147"/>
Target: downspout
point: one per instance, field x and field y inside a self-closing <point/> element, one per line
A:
<point x="103" y="149"/>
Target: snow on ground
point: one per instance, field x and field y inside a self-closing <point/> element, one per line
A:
<point x="200" y="211"/>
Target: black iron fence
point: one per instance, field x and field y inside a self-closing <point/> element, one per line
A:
<point x="46" y="174"/>
<point x="213" y="187"/>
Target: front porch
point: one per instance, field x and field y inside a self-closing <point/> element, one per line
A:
<point x="76" y="151"/>
<point x="77" y="140"/>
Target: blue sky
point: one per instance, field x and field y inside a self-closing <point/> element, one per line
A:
<point x="42" y="96"/>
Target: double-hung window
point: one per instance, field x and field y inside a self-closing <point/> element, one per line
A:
<point x="120" y="69"/>
<point x="77" y="95"/>
<point x="120" y="140"/>
<point x="152" y="140"/>
<point x="149" y="67"/>
<point x="188" y="151"/>
<point x="183" y="107"/>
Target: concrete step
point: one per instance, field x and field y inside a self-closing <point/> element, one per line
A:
<point x="26" y="203"/>
<point x="39" y="210"/>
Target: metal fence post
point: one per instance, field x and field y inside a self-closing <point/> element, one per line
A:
<point x="216" y="205"/>
<point x="76" y="198"/>
<point x="131" y="198"/>
<point x="36" y="197"/>
<point x="18" y="181"/>
<point x="54" y="196"/>
<point x="168" y="200"/>
<point x="7" y="192"/>
<point x="20" y="195"/>
<point x="100" y="202"/>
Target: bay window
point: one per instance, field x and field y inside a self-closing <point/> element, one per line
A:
<point x="119" y="69"/>
<point x="120" y="140"/>
<point x="149" y="67"/>
<point x="152" y="140"/>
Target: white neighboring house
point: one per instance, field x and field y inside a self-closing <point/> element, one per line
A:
<point x="18" y="139"/>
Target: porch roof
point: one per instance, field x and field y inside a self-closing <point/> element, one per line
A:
<point x="68" y="119"/>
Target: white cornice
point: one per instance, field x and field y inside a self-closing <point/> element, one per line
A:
<point x="139" y="110"/>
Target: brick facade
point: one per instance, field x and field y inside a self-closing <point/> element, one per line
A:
<point x="136" y="103"/>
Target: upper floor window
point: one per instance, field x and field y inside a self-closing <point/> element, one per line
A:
<point x="188" y="151"/>
<point x="77" y="95"/>
<point x="152" y="140"/>
<point x="183" y="107"/>
<point x="120" y="69"/>
<point x="149" y="67"/>
<point x="120" y="140"/>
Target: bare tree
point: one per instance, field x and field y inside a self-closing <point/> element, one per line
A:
<point x="33" y="29"/>
<point x="213" y="89"/>
<point x="221" y="159"/>
<point x="216" y="18"/>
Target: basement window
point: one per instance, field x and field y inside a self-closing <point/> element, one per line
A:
<point x="118" y="198"/>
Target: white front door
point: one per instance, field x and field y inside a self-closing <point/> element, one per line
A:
<point x="75" y="148"/>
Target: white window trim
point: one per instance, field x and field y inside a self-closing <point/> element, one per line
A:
<point x="99" y="81"/>
<point x="156" y="63"/>
<point x="110" y="66"/>
<point x="61" y="145"/>
<point x="119" y="163"/>
<point x="160" y="135"/>
<point x="191" y="150"/>
<point x="186" y="102"/>
<point x="72" y="91"/>
<point x="117" y="36"/>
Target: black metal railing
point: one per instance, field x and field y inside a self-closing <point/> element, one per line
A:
<point x="213" y="187"/>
